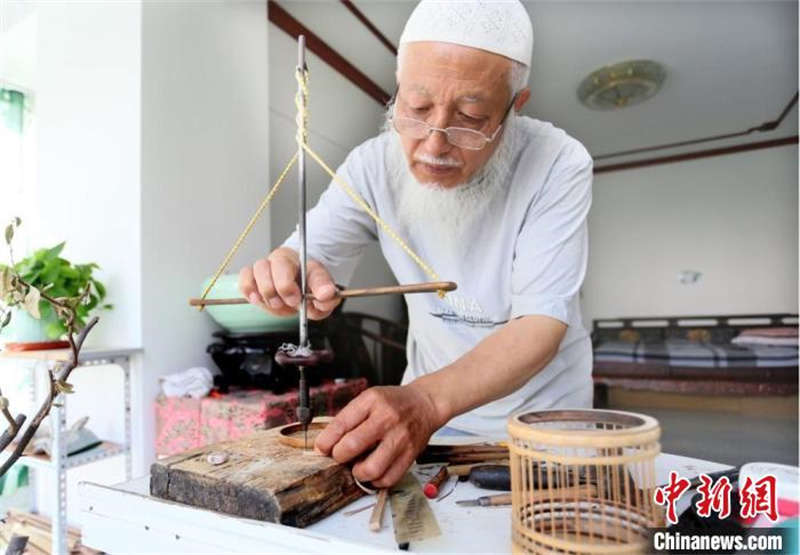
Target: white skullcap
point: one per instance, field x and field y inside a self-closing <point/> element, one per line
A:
<point x="499" y="26"/>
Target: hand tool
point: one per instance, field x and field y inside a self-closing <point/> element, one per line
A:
<point x="462" y="454"/>
<point x="487" y="501"/>
<point x="576" y="492"/>
<point x="430" y="287"/>
<point x="462" y="470"/>
<point x="431" y="487"/>
<point x="376" y="519"/>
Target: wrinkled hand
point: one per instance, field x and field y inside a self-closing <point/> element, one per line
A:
<point x="394" y="423"/>
<point x="273" y="284"/>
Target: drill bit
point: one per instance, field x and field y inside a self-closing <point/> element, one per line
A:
<point x="304" y="408"/>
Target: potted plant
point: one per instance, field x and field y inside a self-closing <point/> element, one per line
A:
<point x="20" y="297"/>
<point x="45" y="271"/>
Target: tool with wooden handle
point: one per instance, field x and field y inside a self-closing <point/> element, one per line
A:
<point x="376" y="518"/>
<point x="462" y="454"/>
<point x="487" y="501"/>
<point x="431" y="487"/>
<point x="463" y="470"/>
<point x="577" y="492"/>
<point x="429" y="287"/>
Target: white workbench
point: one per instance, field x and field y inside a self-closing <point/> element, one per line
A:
<point x="126" y="519"/>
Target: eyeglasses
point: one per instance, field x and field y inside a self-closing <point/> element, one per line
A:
<point x="456" y="136"/>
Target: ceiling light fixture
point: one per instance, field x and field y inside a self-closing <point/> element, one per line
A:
<point x="620" y="85"/>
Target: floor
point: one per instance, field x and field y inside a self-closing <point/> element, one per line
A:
<point x="728" y="438"/>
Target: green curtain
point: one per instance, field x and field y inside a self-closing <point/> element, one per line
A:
<point x="12" y="109"/>
<point x="12" y="116"/>
<point x="15" y="478"/>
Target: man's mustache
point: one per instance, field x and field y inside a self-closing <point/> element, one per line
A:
<point x="442" y="161"/>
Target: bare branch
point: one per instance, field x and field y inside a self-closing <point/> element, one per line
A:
<point x="16" y="545"/>
<point x="44" y="410"/>
<point x="11" y="432"/>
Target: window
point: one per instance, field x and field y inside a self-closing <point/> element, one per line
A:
<point x="16" y="160"/>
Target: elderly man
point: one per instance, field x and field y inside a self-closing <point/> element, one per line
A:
<point x="495" y="202"/>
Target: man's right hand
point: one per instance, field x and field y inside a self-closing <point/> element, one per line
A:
<point x="273" y="284"/>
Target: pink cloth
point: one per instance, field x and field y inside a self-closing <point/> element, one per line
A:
<point x="186" y="423"/>
<point x="769" y="332"/>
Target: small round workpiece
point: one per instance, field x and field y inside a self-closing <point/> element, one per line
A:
<point x="292" y="435"/>
<point x="217" y="457"/>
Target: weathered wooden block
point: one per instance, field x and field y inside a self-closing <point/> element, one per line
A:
<point x="261" y="479"/>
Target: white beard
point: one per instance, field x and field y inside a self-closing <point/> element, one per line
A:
<point x="451" y="216"/>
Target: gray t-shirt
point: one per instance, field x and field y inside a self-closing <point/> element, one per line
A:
<point x="528" y="259"/>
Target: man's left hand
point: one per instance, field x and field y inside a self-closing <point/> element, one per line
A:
<point x="388" y="426"/>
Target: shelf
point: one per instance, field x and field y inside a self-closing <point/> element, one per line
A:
<point x="103" y="451"/>
<point x="88" y="355"/>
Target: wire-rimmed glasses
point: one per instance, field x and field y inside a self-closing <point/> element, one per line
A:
<point x="457" y="136"/>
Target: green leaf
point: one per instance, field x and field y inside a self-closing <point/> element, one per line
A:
<point x="17" y="221"/>
<point x="46" y="310"/>
<point x="6" y="320"/>
<point x="53" y="253"/>
<point x="9" y="233"/>
<point x="54" y="330"/>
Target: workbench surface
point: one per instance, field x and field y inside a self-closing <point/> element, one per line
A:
<point x="126" y="519"/>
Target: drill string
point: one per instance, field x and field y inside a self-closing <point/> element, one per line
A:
<point x="303" y="79"/>
<point x="264" y="203"/>
<point x="302" y="117"/>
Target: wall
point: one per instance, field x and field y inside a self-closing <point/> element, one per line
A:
<point x="152" y="154"/>
<point x="333" y="132"/>
<point x="87" y="117"/>
<point x="732" y="218"/>
<point x="87" y="94"/>
<point x="205" y="168"/>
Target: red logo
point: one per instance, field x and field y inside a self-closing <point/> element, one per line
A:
<point x="717" y="498"/>
<point x="669" y="495"/>
<point x="759" y="498"/>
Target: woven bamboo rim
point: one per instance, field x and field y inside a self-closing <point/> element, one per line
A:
<point x="642" y="429"/>
<point x="641" y="455"/>
<point x="626" y="519"/>
<point x="637" y="548"/>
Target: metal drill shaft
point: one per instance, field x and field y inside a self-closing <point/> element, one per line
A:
<point x="304" y="408"/>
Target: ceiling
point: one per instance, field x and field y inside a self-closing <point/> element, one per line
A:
<point x="731" y="65"/>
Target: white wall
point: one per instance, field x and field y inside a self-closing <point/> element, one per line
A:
<point x="732" y="218"/>
<point x="205" y="169"/>
<point x="18" y="47"/>
<point x="342" y="116"/>
<point x="87" y="97"/>
<point x="87" y="117"/>
<point x="152" y="154"/>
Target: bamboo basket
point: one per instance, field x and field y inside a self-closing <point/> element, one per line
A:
<point x="582" y="482"/>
